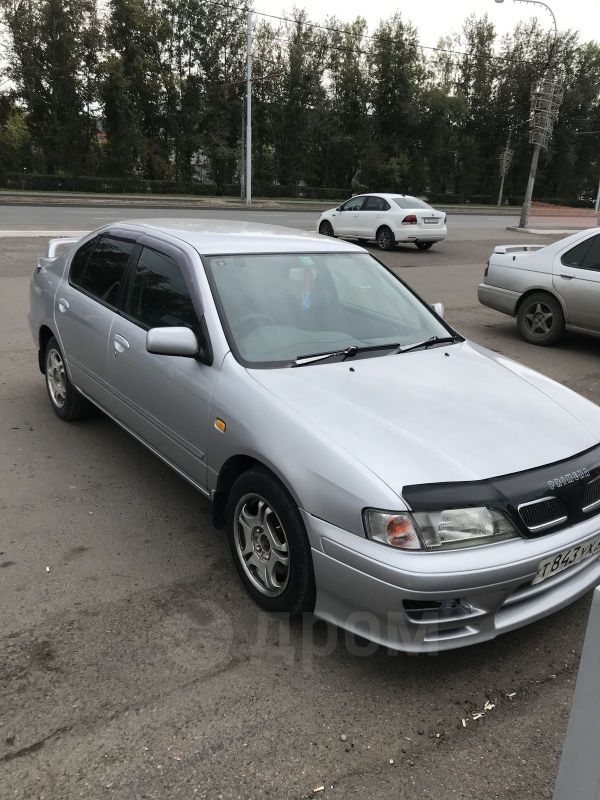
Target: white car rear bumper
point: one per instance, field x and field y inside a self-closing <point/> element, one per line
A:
<point x="421" y="233"/>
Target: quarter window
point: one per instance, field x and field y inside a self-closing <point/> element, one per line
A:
<point x="159" y="296"/>
<point x="102" y="273"/>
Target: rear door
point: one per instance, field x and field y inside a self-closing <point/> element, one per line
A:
<point x="576" y="278"/>
<point x="347" y="219"/>
<point x="85" y="309"/>
<point x="371" y="216"/>
<point x="163" y="399"/>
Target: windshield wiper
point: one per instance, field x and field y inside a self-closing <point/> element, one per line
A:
<point x="429" y="343"/>
<point x="347" y="352"/>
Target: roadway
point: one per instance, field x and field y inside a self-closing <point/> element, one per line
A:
<point x="85" y="218"/>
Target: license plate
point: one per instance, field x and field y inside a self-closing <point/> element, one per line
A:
<point x="430" y="220"/>
<point x="555" y="564"/>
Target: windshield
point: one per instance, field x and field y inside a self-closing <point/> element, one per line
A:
<point x="410" y="202"/>
<point x="275" y="308"/>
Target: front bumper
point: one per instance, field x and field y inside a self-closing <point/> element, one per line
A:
<point x="428" y="602"/>
<point x="503" y="300"/>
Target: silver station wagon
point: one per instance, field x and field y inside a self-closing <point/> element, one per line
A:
<point x="367" y="462"/>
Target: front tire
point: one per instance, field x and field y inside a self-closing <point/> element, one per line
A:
<point x="326" y="228"/>
<point x="540" y="319"/>
<point x="64" y="398"/>
<point x="385" y="238"/>
<point x="424" y="245"/>
<point x="269" y="544"/>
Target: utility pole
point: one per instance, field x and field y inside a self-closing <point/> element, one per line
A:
<point x="546" y="99"/>
<point x="243" y="158"/>
<point x="505" y="159"/>
<point x="249" y="115"/>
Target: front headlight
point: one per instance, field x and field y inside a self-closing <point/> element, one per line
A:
<point x="439" y="530"/>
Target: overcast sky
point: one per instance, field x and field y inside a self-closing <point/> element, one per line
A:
<point x="435" y="18"/>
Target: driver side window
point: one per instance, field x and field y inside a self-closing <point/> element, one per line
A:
<point x="355" y="204"/>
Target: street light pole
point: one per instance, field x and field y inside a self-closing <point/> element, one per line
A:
<point x="524" y="220"/>
<point x="249" y="114"/>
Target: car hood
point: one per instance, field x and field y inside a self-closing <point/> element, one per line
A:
<point x="453" y="413"/>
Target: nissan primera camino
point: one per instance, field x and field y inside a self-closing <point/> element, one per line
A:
<point x="367" y="462"/>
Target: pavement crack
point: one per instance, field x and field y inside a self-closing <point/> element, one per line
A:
<point x="35" y="746"/>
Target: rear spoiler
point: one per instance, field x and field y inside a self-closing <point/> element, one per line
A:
<point x="59" y="245"/>
<point x="505" y="249"/>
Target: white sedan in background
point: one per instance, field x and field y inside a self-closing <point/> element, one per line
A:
<point x="388" y="219"/>
<point x="549" y="289"/>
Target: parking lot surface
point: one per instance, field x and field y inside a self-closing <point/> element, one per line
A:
<point x="133" y="664"/>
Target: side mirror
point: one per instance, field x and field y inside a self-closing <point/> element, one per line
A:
<point x="340" y="208"/>
<point x="439" y="309"/>
<point x="172" y="342"/>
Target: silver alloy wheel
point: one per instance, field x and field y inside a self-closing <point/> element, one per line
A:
<point x="261" y="545"/>
<point x="384" y="239"/>
<point x="56" y="378"/>
<point x="539" y="319"/>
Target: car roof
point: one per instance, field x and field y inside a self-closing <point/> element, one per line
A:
<point x="386" y="195"/>
<point x="220" y="236"/>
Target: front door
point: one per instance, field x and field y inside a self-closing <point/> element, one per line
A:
<point x="163" y="399"/>
<point x="576" y="278"/>
<point x="347" y="220"/>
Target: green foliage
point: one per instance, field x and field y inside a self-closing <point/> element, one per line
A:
<point x="151" y="94"/>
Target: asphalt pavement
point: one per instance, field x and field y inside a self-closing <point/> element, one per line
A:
<point x="58" y="218"/>
<point x="133" y="664"/>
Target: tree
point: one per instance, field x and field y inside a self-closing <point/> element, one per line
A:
<point x="52" y="58"/>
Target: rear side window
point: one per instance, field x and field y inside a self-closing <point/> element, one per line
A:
<point x="578" y="256"/>
<point x="376" y="204"/>
<point x="79" y="262"/>
<point x="159" y="296"/>
<point x="102" y="275"/>
<point x="592" y="259"/>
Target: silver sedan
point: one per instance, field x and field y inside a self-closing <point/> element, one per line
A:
<point x="549" y="289"/>
<point x="366" y="461"/>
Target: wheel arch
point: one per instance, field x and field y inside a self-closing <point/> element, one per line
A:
<point x="385" y="225"/>
<point x="541" y="290"/>
<point x="44" y="335"/>
<point x="230" y="471"/>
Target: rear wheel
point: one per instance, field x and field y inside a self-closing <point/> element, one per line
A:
<point x="326" y="228"/>
<point x="424" y="245"/>
<point x="269" y="544"/>
<point x="540" y="319"/>
<point x="385" y="238"/>
<point x="65" y="400"/>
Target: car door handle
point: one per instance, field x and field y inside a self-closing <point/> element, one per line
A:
<point x="63" y="305"/>
<point x="567" y="276"/>
<point x="121" y="344"/>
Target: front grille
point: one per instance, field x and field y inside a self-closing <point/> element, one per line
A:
<point x="541" y="514"/>
<point x="591" y="496"/>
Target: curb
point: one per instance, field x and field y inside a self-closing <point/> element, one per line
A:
<point x="544" y="231"/>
